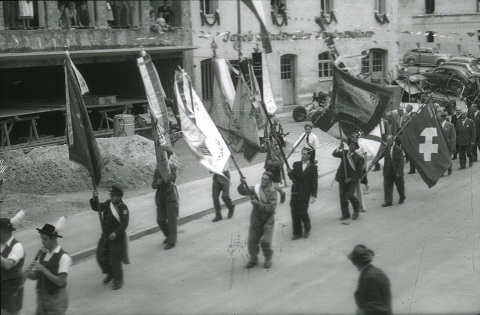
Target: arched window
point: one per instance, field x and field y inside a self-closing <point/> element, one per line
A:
<point x="430" y="38"/>
<point x="325" y="68"/>
<point x="208" y="6"/>
<point x="207" y="79"/>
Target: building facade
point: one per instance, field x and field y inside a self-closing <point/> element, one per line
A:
<point x="299" y="64"/>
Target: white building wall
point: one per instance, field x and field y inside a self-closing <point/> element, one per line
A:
<point x="352" y="15"/>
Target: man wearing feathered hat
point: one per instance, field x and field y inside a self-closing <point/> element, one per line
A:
<point x="13" y="257"/>
<point x="352" y="163"/>
<point x="50" y="270"/>
<point x="112" y="248"/>
<point x="373" y="294"/>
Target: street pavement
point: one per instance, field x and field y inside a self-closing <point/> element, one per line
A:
<point x="429" y="247"/>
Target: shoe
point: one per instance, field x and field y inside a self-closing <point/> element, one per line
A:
<point x="117" y="285"/>
<point x="107" y="279"/>
<point x="411" y="172"/>
<point x="461" y="167"/>
<point x="217" y="218"/>
<point x="251" y="264"/>
<point x="169" y="246"/>
<point x="283" y="196"/>
<point x="344" y="217"/>
<point x="401" y="201"/>
<point x="306" y="234"/>
<point x="470" y="164"/>
<point x="165" y="241"/>
<point x="268" y="263"/>
<point x="230" y="212"/>
<point x="355" y="216"/>
<point x="387" y="204"/>
<point x="295" y="237"/>
<point x="363" y="210"/>
<point x="449" y="171"/>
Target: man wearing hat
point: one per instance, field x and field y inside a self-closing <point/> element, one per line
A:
<point x="304" y="177"/>
<point x="166" y="201"/>
<point x="373" y="294"/>
<point x="51" y="272"/>
<point x="112" y="248"/>
<point x="450" y="135"/>
<point x="262" y="219"/>
<point x="353" y="163"/>
<point x="392" y="171"/>
<point x="13" y="257"/>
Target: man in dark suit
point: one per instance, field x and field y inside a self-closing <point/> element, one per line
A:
<point x="455" y="118"/>
<point x="392" y="171"/>
<point x="465" y="139"/>
<point x="373" y="294"/>
<point x="475" y="116"/>
<point x="450" y="135"/>
<point x="304" y="176"/>
<point x="353" y="163"/>
<point x="404" y="121"/>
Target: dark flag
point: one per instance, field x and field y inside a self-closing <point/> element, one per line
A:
<point x="257" y="10"/>
<point x="425" y="145"/>
<point x="359" y="102"/>
<point x="82" y="146"/>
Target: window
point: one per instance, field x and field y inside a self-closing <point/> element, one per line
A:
<point x="374" y="62"/>
<point x="326" y="6"/>
<point x="209" y="6"/>
<point x="478" y="35"/>
<point x="478" y="5"/>
<point x="430" y="38"/>
<point x="286" y="68"/>
<point x="429" y="6"/>
<point x="207" y="79"/>
<point x="380" y="6"/>
<point x="325" y="69"/>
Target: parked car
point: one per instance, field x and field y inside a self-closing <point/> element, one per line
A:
<point x="454" y="80"/>
<point x="425" y="56"/>
<point x="467" y="62"/>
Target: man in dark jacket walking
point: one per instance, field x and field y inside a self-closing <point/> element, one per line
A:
<point x="353" y="163"/>
<point x="112" y="248"/>
<point x="373" y="294"/>
<point x="304" y="176"/>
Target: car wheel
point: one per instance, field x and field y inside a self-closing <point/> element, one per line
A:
<point x="299" y="114"/>
<point x="411" y="62"/>
<point x="440" y="62"/>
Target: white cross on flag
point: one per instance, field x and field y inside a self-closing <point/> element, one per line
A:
<point x="425" y="143"/>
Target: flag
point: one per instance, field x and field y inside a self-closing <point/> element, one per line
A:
<point x="243" y="122"/>
<point x="268" y="98"/>
<point x="82" y="146"/>
<point x="257" y="10"/>
<point x="425" y="145"/>
<point x="158" y="111"/>
<point x="359" y="102"/>
<point x="198" y="130"/>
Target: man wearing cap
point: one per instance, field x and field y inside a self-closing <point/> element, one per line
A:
<point x="51" y="272"/>
<point x="304" y="177"/>
<point x="262" y="219"/>
<point x="353" y="163"/>
<point x="450" y="135"/>
<point x="392" y="171"/>
<point x="373" y="294"/>
<point x="166" y="201"/>
<point x="12" y="260"/>
<point x="112" y="248"/>
<point x="466" y="134"/>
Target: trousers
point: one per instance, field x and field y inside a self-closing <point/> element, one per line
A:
<point x="388" y="182"/>
<point x="347" y="193"/>
<point x="300" y="217"/>
<point x="109" y="257"/>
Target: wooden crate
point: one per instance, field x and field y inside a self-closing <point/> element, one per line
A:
<point x="100" y="99"/>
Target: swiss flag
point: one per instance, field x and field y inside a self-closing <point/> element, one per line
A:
<point x="424" y="141"/>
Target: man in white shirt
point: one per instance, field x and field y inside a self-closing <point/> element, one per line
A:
<point x="12" y="259"/>
<point x="51" y="272"/>
<point x="308" y="140"/>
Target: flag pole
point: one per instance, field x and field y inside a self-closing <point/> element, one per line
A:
<point x="296" y="146"/>
<point x="343" y="151"/>
<point x="97" y="205"/>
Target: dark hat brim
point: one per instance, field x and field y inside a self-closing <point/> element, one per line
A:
<point x="48" y="233"/>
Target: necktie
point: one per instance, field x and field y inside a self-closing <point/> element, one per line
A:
<point x="308" y="143"/>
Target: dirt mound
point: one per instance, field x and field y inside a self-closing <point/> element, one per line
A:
<point x="129" y="161"/>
